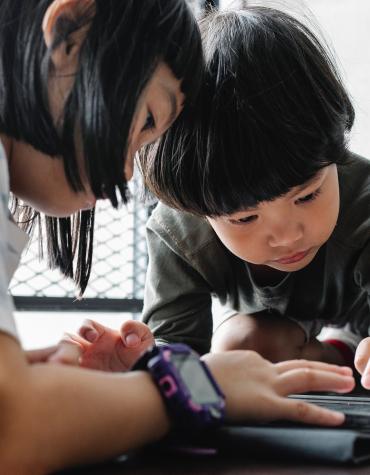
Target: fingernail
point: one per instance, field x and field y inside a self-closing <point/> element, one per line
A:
<point x="349" y="379"/>
<point x="339" y="417"/>
<point x="91" y="335"/>
<point x="346" y="370"/>
<point x="132" y="340"/>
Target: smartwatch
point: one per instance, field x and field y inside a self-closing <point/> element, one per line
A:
<point x="192" y="397"/>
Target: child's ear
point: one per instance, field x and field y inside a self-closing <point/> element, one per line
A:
<point x="65" y="56"/>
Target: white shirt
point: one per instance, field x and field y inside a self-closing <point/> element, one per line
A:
<point x="12" y="243"/>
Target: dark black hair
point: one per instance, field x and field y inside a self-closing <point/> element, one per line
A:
<point x="125" y="42"/>
<point x="273" y="113"/>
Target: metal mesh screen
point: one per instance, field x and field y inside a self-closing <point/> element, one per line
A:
<point x="119" y="264"/>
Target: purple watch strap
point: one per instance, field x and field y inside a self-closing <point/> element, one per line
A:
<point x="192" y="396"/>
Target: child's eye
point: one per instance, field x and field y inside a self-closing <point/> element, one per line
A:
<point x="246" y="220"/>
<point x="310" y="197"/>
<point x="149" y="123"/>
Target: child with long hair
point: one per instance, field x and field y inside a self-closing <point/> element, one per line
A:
<point x="263" y="206"/>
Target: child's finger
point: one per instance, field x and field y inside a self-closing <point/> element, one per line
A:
<point x="362" y="355"/>
<point x="41" y="355"/>
<point x="305" y="380"/>
<point x="299" y="411"/>
<point x="134" y="333"/>
<point x="285" y="366"/>
<point x="132" y="340"/>
<point x="68" y="351"/>
<point x="91" y="330"/>
<point x="365" y="380"/>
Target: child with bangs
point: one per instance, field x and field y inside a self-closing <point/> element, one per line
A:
<point x="263" y="207"/>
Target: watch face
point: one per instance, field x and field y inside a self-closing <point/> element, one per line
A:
<point x="196" y="379"/>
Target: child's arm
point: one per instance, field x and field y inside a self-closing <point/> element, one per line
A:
<point x="177" y="300"/>
<point x="56" y="416"/>
<point x="274" y="337"/>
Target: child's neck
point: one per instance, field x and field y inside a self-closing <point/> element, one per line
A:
<point x="266" y="276"/>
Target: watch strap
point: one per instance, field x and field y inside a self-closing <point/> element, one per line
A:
<point x="142" y="363"/>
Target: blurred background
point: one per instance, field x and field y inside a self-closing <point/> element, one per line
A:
<point x="46" y="304"/>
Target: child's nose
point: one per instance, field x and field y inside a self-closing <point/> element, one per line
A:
<point x="285" y="234"/>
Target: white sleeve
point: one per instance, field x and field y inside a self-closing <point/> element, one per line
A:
<point x="7" y="248"/>
<point x="221" y="313"/>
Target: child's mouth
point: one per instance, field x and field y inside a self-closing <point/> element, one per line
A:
<point x="293" y="257"/>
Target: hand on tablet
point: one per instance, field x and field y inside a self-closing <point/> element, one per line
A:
<point x="256" y="389"/>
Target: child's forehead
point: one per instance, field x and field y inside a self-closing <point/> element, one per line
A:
<point x="316" y="179"/>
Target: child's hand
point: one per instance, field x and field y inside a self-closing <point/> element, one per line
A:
<point x="102" y="348"/>
<point x="256" y="389"/>
<point x="362" y="361"/>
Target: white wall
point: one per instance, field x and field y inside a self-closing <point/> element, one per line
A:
<point x="346" y="27"/>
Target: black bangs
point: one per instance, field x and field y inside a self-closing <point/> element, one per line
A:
<point x="273" y="113"/>
<point x="246" y="158"/>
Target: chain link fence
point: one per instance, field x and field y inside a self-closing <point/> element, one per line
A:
<point x="118" y="271"/>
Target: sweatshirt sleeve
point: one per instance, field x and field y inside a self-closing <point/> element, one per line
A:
<point x="177" y="299"/>
<point x="7" y="323"/>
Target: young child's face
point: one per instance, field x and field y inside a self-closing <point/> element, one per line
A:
<point x="284" y="234"/>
